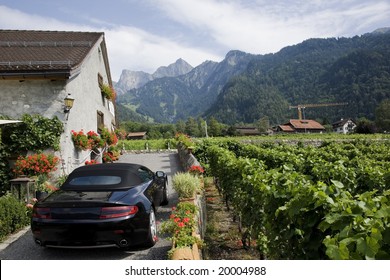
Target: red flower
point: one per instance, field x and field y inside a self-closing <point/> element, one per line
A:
<point x="36" y="164"/>
<point x="196" y="169"/>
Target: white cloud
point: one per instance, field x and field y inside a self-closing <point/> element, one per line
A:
<point x="267" y="26"/>
<point x="134" y="49"/>
<point x="208" y="29"/>
<point x="128" y="47"/>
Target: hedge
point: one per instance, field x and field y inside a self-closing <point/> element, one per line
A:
<point x="14" y="215"/>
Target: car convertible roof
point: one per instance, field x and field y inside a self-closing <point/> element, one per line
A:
<point x="127" y="171"/>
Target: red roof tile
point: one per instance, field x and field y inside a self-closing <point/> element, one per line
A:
<point x="306" y="124"/>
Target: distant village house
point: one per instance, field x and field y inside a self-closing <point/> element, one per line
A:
<point x="301" y="126"/>
<point x="136" y="135"/>
<point x="344" y="126"/>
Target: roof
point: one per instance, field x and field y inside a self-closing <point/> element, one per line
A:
<point x="286" y="128"/>
<point x="136" y="134"/>
<point x="27" y="52"/>
<point x="247" y="130"/>
<point x="341" y="122"/>
<point x="8" y="121"/>
<point x="305" y="124"/>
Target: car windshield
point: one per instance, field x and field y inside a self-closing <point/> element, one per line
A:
<point x="95" y="180"/>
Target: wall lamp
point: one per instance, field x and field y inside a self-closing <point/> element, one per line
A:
<point x="69" y="100"/>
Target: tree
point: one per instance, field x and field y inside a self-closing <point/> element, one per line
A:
<point x="192" y="128"/>
<point x="214" y="127"/>
<point x="365" y="126"/>
<point x="382" y="116"/>
<point x="181" y="126"/>
<point x="263" y="124"/>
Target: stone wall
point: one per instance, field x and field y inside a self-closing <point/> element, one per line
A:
<point x="187" y="159"/>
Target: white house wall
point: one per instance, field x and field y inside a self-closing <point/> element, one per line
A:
<point x="85" y="89"/>
<point x="46" y="98"/>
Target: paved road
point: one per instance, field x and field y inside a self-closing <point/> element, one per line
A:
<point x="25" y="249"/>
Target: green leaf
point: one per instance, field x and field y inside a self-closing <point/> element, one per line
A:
<point x="331" y="218"/>
<point x="376" y="234"/>
<point x="338" y="184"/>
<point x="368" y="247"/>
<point x="383" y="212"/>
<point x="334" y="251"/>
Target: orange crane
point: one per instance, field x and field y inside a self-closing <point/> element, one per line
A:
<point x="303" y="106"/>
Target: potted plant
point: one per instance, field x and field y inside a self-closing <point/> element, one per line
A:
<point x="185" y="184"/>
<point x="108" y="92"/>
<point x="196" y="170"/>
<point x="37" y="166"/>
<point x="182" y="226"/>
<point x="43" y="187"/>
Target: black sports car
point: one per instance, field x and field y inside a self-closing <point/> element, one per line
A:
<point x="102" y="205"/>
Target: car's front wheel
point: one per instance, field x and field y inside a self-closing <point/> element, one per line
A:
<point x="152" y="234"/>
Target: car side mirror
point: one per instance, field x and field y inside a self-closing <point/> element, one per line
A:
<point x="160" y="174"/>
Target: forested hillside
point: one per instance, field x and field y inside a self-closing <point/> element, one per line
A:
<point x="353" y="70"/>
<point x="245" y="88"/>
<point x="170" y="99"/>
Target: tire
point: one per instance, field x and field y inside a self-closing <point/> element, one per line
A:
<point x="165" y="200"/>
<point x="152" y="234"/>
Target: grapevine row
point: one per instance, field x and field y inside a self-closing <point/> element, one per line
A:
<point x="329" y="202"/>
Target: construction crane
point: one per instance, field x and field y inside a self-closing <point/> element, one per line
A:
<point x="303" y="106"/>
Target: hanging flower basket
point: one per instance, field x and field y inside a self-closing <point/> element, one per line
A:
<point x="80" y="140"/>
<point x="95" y="141"/>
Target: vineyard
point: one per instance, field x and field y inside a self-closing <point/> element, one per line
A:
<point x="298" y="201"/>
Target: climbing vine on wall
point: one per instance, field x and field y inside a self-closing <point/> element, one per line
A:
<point x="34" y="133"/>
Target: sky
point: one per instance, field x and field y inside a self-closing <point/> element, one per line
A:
<point x="142" y="35"/>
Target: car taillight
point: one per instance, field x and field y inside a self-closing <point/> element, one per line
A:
<point x="41" y="213"/>
<point x="117" y="211"/>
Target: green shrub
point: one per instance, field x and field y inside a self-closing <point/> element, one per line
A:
<point x="13" y="215"/>
<point x="185" y="184"/>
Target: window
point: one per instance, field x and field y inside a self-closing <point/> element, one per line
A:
<point x="100" y="80"/>
<point x="100" y="121"/>
<point x="95" y="180"/>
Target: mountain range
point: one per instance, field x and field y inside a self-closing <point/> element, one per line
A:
<point x="246" y="87"/>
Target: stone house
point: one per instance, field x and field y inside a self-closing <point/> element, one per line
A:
<point x="39" y="69"/>
<point x="344" y="126"/>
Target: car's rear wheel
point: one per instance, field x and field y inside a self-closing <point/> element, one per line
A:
<point x="152" y="236"/>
